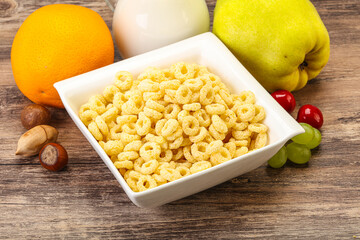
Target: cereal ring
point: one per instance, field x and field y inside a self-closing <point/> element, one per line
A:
<point x="183" y="71"/>
<point x="133" y="106"/>
<point x="145" y="182"/>
<point x="150" y="151"/>
<point x="195" y="97"/>
<point x="175" y="135"/>
<point x="143" y="125"/>
<point x="183" y="94"/>
<point x="198" y="151"/>
<point x="231" y="147"/>
<point x="97" y="104"/>
<point x="190" y="125"/>
<point x="157" y="139"/>
<point x="172" y="84"/>
<point x="177" y="154"/>
<point x="239" y="126"/>
<point x="246" y="112"/>
<point x="220" y="156"/>
<point x="229" y="117"/>
<point x="241" y="135"/>
<point x="257" y="127"/>
<point x="109" y="93"/>
<point x="247" y="97"/>
<point x="200" y="166"/>
<point x="170" y="127"/>
<point x="113" y="147"/>
<point x="261" y="140"/>
<point x="110" y="114"/>
<point x="170" y="174"/>
<point x="154" y="105"/>
<point x="183" y="170"/>
<point x="194" y="84"/>
<point x="166" y="156"/>
<point x="159" y="126"/>
<point x="241" y="151"/>
<point x="215" y="108"/>
<point x="95" y="131"/>
<point x="152" y="114"/>
<point x="153" y="74"/>
<point x="200" y="136"/>
<point x="203" y="118"/>
<point x="126" y="138"/>
<point x="101" y="124"/>
<point x="123" y="80"/>
<point x="148" y="85"/>
<point x="172" y="111"/>
<point x="129" y="128"/>
<point x="226" y="97"/>
<point x="121" y="120"/>
<point x="215" y="134"/>
<point x="219" y="124"/>
<point x="133" y="146"/>
<point x="132" y="184"/>
<point x="181" y="115"/>
<point x="168" y="74"/>
<point x="149" y="167"/>
<point x="259" y="114"/>
<point x="192" y="107"/>
<point x="118" y="100"/>
<point x="207" y="95"/>
<point x="214" y="147"/>
<point x="138" y="163"/>
<point x="153" y="95"/>
<point x="239" y="143"/>
<point x="176" y="143"/>
<point x="188" y="155"/>
<point x="88" y="116"/>
<point x="132" y="155"/>
<point x="124" y="164"/>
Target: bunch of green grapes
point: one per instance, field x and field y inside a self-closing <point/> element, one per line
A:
<point x="299" y="150"/>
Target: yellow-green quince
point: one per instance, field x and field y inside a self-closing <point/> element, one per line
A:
<point x="282" y="43"/>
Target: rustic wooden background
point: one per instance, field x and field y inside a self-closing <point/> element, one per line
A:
<point x="318" y="201"/>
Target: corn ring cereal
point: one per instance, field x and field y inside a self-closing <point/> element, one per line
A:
<point x="215" y="108"/>
<point x="145" y="182"/>
<point x="150" y="151"/>
<point x="190" y="125"/>
<point x="200" y="166"/>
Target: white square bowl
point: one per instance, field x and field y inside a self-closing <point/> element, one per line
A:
<point x="205" y="49"/>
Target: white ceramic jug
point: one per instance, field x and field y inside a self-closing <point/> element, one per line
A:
<point x="142" y="25"/>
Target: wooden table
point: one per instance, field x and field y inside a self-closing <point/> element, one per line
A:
<point x="318" y="201"/>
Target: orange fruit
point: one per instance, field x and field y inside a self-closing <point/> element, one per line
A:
<point x="56" y="42"/>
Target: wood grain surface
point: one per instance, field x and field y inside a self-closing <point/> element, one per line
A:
<point x="318" y="201"/>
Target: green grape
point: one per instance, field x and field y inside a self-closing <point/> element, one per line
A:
<point x="305" y="137"/>
<point x="279" y="159"/>
<point x="315" y="141"/>
<point x="298" y="153"/>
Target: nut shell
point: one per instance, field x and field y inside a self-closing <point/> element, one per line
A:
<point x="34" y="139"/>
<point x="53" y="157"/>
<point x="34" y="115"/>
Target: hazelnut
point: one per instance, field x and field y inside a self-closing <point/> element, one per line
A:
<point x="53" y="157"/>
<point x="33" y="115"/>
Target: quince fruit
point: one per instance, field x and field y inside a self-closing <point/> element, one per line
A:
<point x="282" y="43"/>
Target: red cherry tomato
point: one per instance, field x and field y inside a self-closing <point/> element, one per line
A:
<point x="285" y="99"/>
<point x="311" y="115"/>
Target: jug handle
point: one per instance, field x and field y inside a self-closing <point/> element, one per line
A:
<point x="110" y="5"/>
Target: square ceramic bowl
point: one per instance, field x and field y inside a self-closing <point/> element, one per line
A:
<point x="205" y="49"/>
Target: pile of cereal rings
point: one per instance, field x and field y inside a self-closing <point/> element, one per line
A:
<point x="169" y="123"/>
